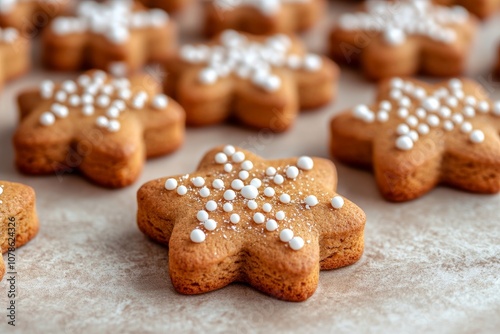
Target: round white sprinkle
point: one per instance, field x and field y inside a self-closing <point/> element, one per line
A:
<point x="311" y="200"/>
<point x="256" y="183"/>
<point x="448" y="125"/>
<point x="286" y="235"/>
<point x="243" y="175"/>
<point x="160" y="102"/>
<point x="421" y="113"/>
<point x="227" y="207"/>
<point x="267" y="207"/>
<point x="477" y="136"/>
<point x="238" y="157"/>
<point x="402" y="129"/>
<point x="182" y="190"/>
<point x="431" y="104"/>
<point x="423" y="129"/>
<point x="382" y="116"/>
<point x="305" y="163"/>
<point x="457" y="118"/>
<point x="204" y="192"/>
<point x="229" y="150"/>
<point x="102" y="122"/>
<point x="259" y="218"/>
<point x="469" y="111"/>
<point x="235" y="218"/>
<point x="252" y="205"/>
<point x="296" y="243"/>
<point x="337" y="202"/>
<point x="247" y="165"/>
<point x="202" y="215"/>
<point x="218" y="184"/>
<point x="412" y="121"/>
<point x="292" y="172"/>
<point x="413" y="135"/>
<point x="210" y="224"/>
<point x="237" y="184"/>
<point x="278" y="179"/>
<point x="404" y="143"/>
<point x="269" y="192"/>
<point x="171" y="184"/>
<point x="197" y="236"/>
<point x="466" y="127"/>
<point x="433" y="120"/>
<point x="229" y="195"/>
<point x="280" y="215"/>
<point x="211" y="206"/>
<point x="113" y="112"/>
<point x="220" y="158"/>
<point x="483" y="106"/>
<point x="249" y="192"/>
<point x="496" y="108"/>
<point x="270" y="171"/>
<point x="271" y="225"/>
<point x="228" y="168"/>
<point x="198" y="181"/>
<point x="47" y="118"/>
<point x="403" y="113"/>
<point x="102" y="101"/>
<point x="285" y="198"/>
<point x="60" y="110"/>
<point x="88" y="110"/>
<point x="208" y="76"/>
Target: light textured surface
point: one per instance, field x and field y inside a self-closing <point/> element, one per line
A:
<point x="431" y="265"/>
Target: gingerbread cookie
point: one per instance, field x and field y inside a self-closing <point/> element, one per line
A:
<point x="102" y="126"/>
<point x="30" y="15"/>
<point x="167" y="5"/>
<point x="15" y="57"/>
<point x="262" y="17"/>
<point x="481" y="8"/>
<point x="403" y="38"/>
<point x="262" y="81"/>
<point x="417" y="136"/>
<point x="18" y="219"/>
<point x="273" y="224"/>
<point x="115" y="36"/>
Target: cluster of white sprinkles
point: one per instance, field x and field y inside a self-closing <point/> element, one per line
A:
<point x="112" y="19"/>
<point x="266" y="7"/>
<point x="398" y="20"/>
<point x="1" y="192"/>
<point x="242" y="185"/>
<point x="8" y="35"/>
<point x="97" y="95"/>
<point x="247" y="59"/>
<point x="447" y="108"/>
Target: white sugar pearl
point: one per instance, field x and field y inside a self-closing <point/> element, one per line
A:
<point x="420" y="93"/>
<point x="382" y="116"/>
<point x="138" y="103"/>
<point x="433" y="120"/>
<point x="228" y="168"/>
<point x="252" y="205"/>
<point x="466" y="127"/>
<point x="458" y="118"/>
<point x="160" y="102"/>
<point x="455" y="84"/>
<point x="267" y="207"/>
<point x="235" y="218"/>
<point x="271" y="171"/>
<point x="102" y="122"/>
<point x="247" y="165"/>
<point x="103" y="101"/>
<point x="220" y="158"/>
<point x="385" y="105"/>
<point x="125" y="94"/>
<point x="249" y="192"/>
<point x="452" y="101"/>
<point x="394" y="36"/>
<point x="237" y="184"/>
<point x="278" y="179"/>
<point x="238" y="157"/>
<point x="227" y="207"/>
<point x="171" y="184"/>
<point x="413" y="135"/>
<point x="285" y="198"/>
<point x="272" y="83"/>
<point x="271" y="225"/>
<point x="311" y="200"/>
<point x="198" y="181"/>
<point x="405" y="102"/>
<point x="337" y="202"/>
<point x="431" y="104"/>
<point x="218" y="184"/>
<point x="403" y="112"/>
<point x="421" y="113"/>
<point x="74" y="100"/>
<point x="197" y="236"/>
<point x="423" y="129"/>
<point x="211" y="206"/>
<point x="113" y="112"/>
<point x="280" y="215"/>
<point x="114" y="126"/>
<point x="412" y="121"/>
<point x="182" y="190"/>
<point x="312" y="62"/>
<point x="404" y="143"/>
<point x="88" y="110"/>
<point x="496" y="108"/>
<point x="208" y="76"/>
<point x="257" y="183"/>
<point x="229" y="195"/>
<point x="459" y="94"/>
<point x="444" y="112"/>
<point x="229" y="150"/>
<point x="397" y="83"/>
<point x="47" y="118"/>
<point x="269" y="192"/>
<point x="470" y="101"/>
<point x="202" y="215"/>
<point x="469" y="112"/>
<point x="292" y="172"/>
<point x="296" y="243"/>
<point x="448" y="125"/>
<point x="477" y="136"/>
<point x="286" y="235"/>
<point x="204" y="192"/>
<point x="402" y="129"/>
<point x="69" y="86"/>
<point x="61" y="96"/>
<point x="243" y="175"/>
<point x="483" y="106"/>
<point x="259" y="218"/>
<point x="210" y="224"/>
<point x="60" y="110"/>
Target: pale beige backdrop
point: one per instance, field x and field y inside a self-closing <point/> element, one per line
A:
<point x="430" y="266"/>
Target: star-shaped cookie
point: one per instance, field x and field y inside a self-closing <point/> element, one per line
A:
<point x="482" y="8"/>
<point x="263" y="82"/>
<point x="102" y="126"/>
<point x="417" y="136"/>
<point x="403" y="38"/>
<point x="262" y="17"/>
<point x="18" y="220"/>
<point x="273" y="224"/>
<point x="14" y="54"/>
<point x="116" y="36"/>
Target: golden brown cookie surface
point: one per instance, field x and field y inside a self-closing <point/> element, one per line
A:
<point x="18" y="219"/>
<point x="14" y="54"/>
<point x="262" y="82"/>
<point x="115" y="36"/>
<point x="102" y="126"/>
<point x="166" y="5"/>
<point x="404" y="38"/>
<point x="417" y="136"/>
<point x="273" y="224"/>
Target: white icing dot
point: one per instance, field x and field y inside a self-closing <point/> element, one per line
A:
<point x="229" y="195"/>
<point x="102" y="122"/>
<point x="267" y="207"/>
<point x="413" y="135"/>
<point x="448" y="125"/>
<point x="312" y="62"/>
<point x="171" y="184"/>
<point x="292" y="172"/>
<point x="210" y="224"/>
<point x="113" y="112"/>
<point x="204" y="192"/>
<point x="286" y="235"/>
<point x="382" y="116"/>
<point x="469" y="111"/>
<point x="252" y="205"/>
<point x="47" y="118"/>
<point x="102" y="101"/>
<point x="61" y="96"/>
<point x="496" y="108"/>
<point x="278" y="179"/>
<point x="228" y="168"/>
<point x="405" y="102"/>
<point x="337" y="202"/>
<point x="423" y="129"/>
<point x="229" y="150"/>
<point x="198" y="181"/>
<point x="394" y="36"/>
<point x="182" y="190"/>
<point x="466" y="127"/>
<point x="88" y="110"/>
<point x="160" y="102"/>
<point x="238" y="157"/>
<point x="296" y="243"/>
<point x="403" y="113"/>
<point x="271" y="171"/>
<point x="280" y="215"/>
<point x="69" y="86"/>
<point x="397" y="83"/>
<point x="257" y="183"/>
<point x="483" y="106"/>
<point x="202" y="215"/>
<point x="421" y="113"/>
<point x="285" y="198"/>
<point x="237" y="184"/>
<point x="457" y="118"/>
<point x="477" y="136"/>
<point x="433" y="120"/>
<point x="218" y="184"/>
<point x="197" y="236"/>
<point x="402" y="129"/>
<point x="235" y="218"/>
<point x="269" y="192"/>
<point x="114" y="126"/>
<point x="211" y="206"/>
<point x="220" y="158"/>
<point x="271" y="225"/>
<point x="385" y="105"/>
<point x="249" y="192"/>
<point x="259" y="218"/>
<point x="431" y="104"/>
<point x="227" y="207"/>
<point x="244" y="175"/>
<point x="404" y="143"/>
<point x="311" y="200"/>
<point x="247" y="165"/>
<point x="74" y="100"/>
